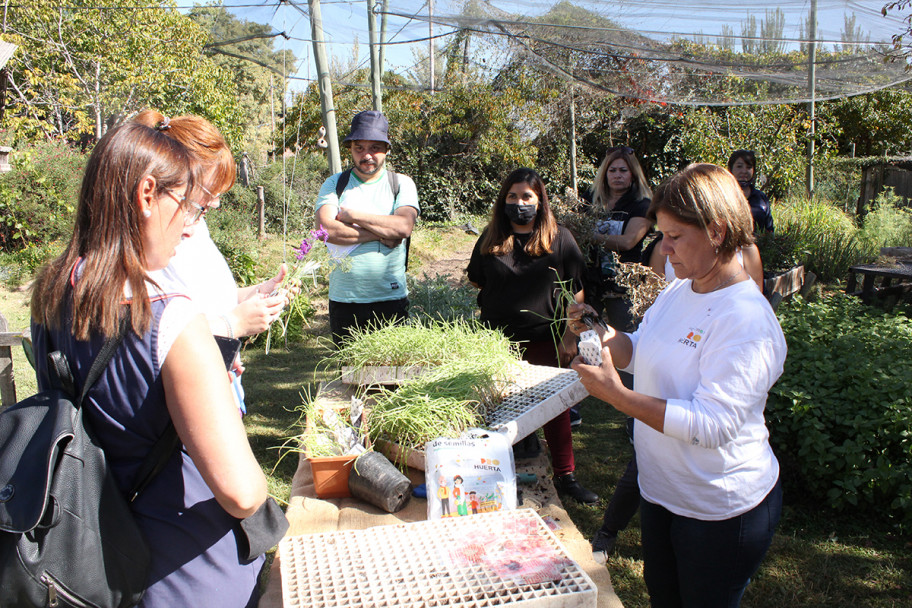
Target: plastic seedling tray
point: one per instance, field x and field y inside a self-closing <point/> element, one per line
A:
<point x="378" y="374"/>
<point x="533" y="398"/>
<point x="506" y="558"/>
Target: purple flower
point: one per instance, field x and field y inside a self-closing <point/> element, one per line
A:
<point x="303" y="250"/>
<point x="320" y="234"/>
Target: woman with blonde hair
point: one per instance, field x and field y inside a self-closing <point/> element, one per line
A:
<point x="620" y="200"/>
<point x="138" y="200"/>
<point x="518" y="262"/>
<point x="703" y="361"/>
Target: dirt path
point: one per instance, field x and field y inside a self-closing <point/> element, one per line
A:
<point x="453" y="266"/>
<point x="455" y="251"/>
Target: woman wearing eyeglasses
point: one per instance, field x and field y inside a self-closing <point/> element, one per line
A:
<point x="134" y="209"/>
<point x="620" y="199"/>
<point x="743" y="165"/>
<point x="231" y="311"/>
<point x="198" y="265"/>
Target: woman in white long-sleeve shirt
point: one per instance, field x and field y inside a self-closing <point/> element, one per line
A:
<point x="703" y="361"/>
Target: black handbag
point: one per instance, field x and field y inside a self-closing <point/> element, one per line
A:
<point x="67" y="536"/>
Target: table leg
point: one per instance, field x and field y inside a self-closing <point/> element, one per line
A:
<point x="850" y="286"/>
<point x="867" y="288"/>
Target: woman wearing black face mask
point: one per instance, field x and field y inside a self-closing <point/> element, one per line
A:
<point x="743" y="165"/>
<point x="517" y="263"/>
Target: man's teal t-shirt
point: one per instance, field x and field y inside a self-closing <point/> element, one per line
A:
<point x="376" y="273"/>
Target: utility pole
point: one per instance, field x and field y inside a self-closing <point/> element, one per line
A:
<point x="272" y="111"/>
<point x="325" y="86"/>
<point x="812" y="89"/>
<point x="431" y="41"/>
<point x="376" y="67"/>
<point x="383" y="10"/>
<point x="573" y="179"/>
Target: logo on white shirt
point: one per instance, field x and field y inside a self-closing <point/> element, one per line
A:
<point x="692" y="338"/>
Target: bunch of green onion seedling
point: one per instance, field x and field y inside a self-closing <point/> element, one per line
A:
<point x="442" y="402"/>
<point x="423" y="343"/>
<point x="330" y="432"/>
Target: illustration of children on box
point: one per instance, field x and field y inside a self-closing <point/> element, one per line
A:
<point x="459" y="496"/>
<point x="443" y="493"/>
<point x="473" y="502"/>
<point x="460" y="499"/>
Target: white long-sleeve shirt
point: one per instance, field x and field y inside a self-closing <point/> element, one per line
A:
<point x="713" y="357"/>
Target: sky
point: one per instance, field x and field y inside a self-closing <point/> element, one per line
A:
<point x="345" y="23"/>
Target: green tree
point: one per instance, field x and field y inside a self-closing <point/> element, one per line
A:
<point x="877" y="123"/>
<point x="85" y="66"/>
<point x="245" y="52"/>
<point x="457" y="144"/>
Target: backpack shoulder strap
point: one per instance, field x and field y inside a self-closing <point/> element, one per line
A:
<point x="103" y="358"/>
<point x="342" y="182"/>
<point x="394" y="183"/>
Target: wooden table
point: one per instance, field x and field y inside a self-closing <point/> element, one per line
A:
<point x="901" y="273"/>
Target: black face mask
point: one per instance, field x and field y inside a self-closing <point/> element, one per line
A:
<point x="520" y="214"/>
<point x="744" y="184"/>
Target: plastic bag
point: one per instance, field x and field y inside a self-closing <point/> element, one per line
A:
<point x="472" y="474"/>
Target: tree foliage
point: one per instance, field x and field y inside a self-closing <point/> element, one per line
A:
<point x="84" y="67"/>
<point x="245" y="52"/>
<point x="901" y="41"/>
<point x="878" y="123"/>
<point x="457" y="144"/>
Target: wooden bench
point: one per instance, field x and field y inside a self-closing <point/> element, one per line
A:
<point x="8" y="339"/>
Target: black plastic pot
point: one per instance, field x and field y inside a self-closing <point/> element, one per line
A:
<point x="376" y="480"/>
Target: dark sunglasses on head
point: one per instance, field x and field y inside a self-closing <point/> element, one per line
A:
<point x="624" y="149"/>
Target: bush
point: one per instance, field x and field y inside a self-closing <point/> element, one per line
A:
<point x="18" y="267"/>
<point x="240" y="253"/>
<point x="887" y="224"/>
<point x="38" y="197"/>
<point x="840" y="416"/>
<point x="819" y="234"/>
<point x="438" y="300"/>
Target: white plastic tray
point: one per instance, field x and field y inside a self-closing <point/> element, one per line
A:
<point x="378" y="374"/>
<point x="536" y="396"/>
<point x="508" y="558"/>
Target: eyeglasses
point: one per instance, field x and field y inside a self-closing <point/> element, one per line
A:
<point x="213" y="198"/>
<point x="193" y="213"/>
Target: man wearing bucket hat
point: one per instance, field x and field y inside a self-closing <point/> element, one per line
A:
<point x="368" y="212"/>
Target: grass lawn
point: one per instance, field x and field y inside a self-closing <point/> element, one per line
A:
<point x="817" y="559"/>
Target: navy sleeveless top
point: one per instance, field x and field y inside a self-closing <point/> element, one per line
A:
<point x="195" y="556"/>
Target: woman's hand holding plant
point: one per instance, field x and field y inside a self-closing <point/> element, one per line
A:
<point x="287" y="285"/>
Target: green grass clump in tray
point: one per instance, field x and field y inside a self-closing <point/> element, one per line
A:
<point x="424" y="343"/>
<point x="442" y="402"/>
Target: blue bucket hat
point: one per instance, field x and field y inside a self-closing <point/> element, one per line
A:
<point x="369" y="125"/>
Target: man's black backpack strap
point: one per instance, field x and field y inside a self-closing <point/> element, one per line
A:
<point x="393" y="178"/>
<point x="345" y="176"/>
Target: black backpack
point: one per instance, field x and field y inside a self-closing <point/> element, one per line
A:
<point x="394" y="186"/>
<point x="67" y="536"/>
